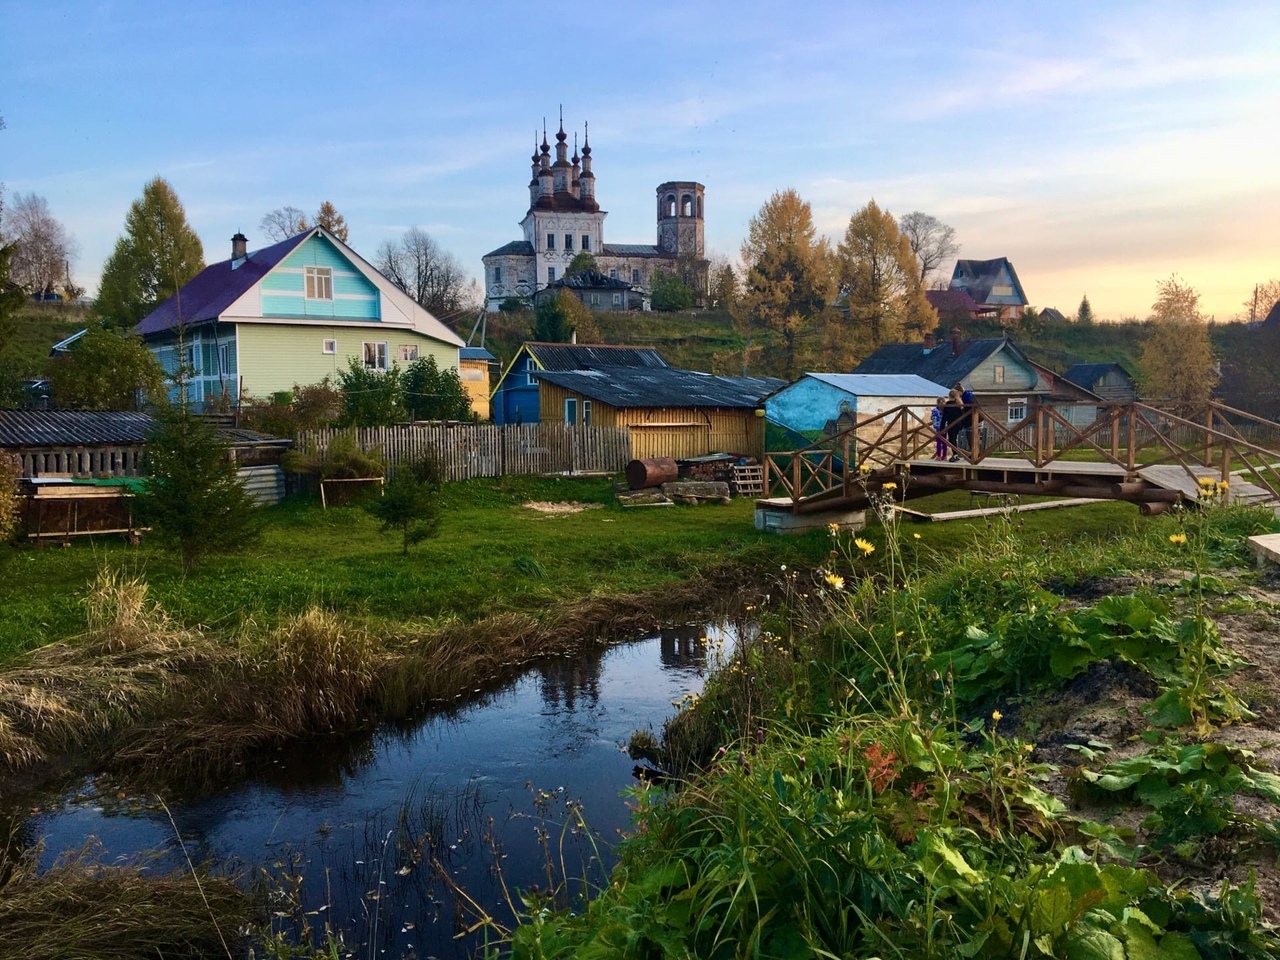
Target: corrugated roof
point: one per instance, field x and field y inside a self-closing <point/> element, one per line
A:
<point x="591" y="280"/>
<point x="89" y="428"/>
<point x="941" y="364"/>
<point x="580" y="356"/>
<point x="882" y="384"/>
<point x="475" y="353"/>
<point x="1087" y="374"/>
<point x="215" y="288"/>
<point x="669" y="387"/>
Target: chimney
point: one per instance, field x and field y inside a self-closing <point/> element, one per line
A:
<point x="573" y="334"/>
<point x="929" y="342"/>
<point x="955" y="341"/>
<point x="239" y="247"/>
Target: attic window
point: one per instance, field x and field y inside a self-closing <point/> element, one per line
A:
<point x="998" y="374"/>
<point x="328" y="346"/>
<point x="319" y="283"/>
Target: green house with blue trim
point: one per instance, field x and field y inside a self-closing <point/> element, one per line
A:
<point x="291" y="313"/>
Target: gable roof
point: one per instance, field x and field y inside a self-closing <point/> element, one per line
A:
<point x="217" y="288"/>
<point x="591" y="280"/>
<point x="523" y="247"/>
<point x="1051" y="313"/>
<point x="954" y="301"/>
<point x="941" y="364"/>
<point x="979" y="276"/>
<point x="586" y="356"/>
<point x="663" y="387"/>
<point x="1087" y="374"/>
<point x="1272" y="319"/>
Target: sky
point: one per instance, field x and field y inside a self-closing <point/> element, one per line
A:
<point x="1100" y="146"/>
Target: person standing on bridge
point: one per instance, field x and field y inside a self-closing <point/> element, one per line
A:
<point x="939" y="437"/>
<point x="952" y="416"/>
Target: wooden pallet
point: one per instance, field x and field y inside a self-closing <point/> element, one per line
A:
<point x="748" y="481"/>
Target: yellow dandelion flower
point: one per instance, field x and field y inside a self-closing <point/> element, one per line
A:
<point x="1178" y="538"/>
<point x="865" y="468"/>
<point x="916" y="535"/>
<point x="1206" y="481"/>
<point x="865" y="546"/>
<point x="833" y="529"/>
<point x="1028" y="747"/>
<point x="889" y="487"/>
<point x="834" y="581"/>
<point x="997" y="716"/>
<point x="1223" y="486"/>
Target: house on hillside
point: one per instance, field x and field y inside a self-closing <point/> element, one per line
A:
<point x="291" y="313"/>
<point x="1004" y="381"/>
<point x="992" y="284"/>
<point x="515" y="398"/>
<point x="1110" y="381"/>
<point x="825" y="403"/>
<point x="1052" y="315"/>
<point x="595" y="290"/>
<point x="669" y="412"/>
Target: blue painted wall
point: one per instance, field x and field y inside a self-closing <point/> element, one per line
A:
<point x="284" y="289"/>
<point x="808" y="404"/>
<point x="516" y="400"/>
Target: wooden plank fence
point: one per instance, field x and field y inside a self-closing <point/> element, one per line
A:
<point x="107" y="461"/>
<point x="487" y="450"/>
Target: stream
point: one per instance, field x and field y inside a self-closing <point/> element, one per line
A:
<point x="361" y="835"/>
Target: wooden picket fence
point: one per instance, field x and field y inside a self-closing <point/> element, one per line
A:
<point x="484" y="450"/>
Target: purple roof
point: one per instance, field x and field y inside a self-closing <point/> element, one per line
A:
<point x="215" y="288"/>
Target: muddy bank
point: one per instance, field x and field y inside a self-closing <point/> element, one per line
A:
<point x="157" y="705"/>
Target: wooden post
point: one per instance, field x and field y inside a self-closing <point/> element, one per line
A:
<point x="1115" y="434"/>
<point x="1226" y="461"/>
<point x="1208" y="438"/>
<point x="795" y="480"/>
<point x="764" y="474"/>
<point x="1132" y="454"/>
<point x="844" y="485"/>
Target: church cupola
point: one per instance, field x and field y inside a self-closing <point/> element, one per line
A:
<point x="561" y="168"/>
<point x="533" y="179"/>
<point x="587" y="179"/>
<point x="574" y="182"/>
<point x="545" y="178"/>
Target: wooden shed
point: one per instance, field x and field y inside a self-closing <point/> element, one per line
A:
<point x="668" y="412"/>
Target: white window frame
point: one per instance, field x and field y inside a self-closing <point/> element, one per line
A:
<point x="224" y="358"/>
<point x="586" y="242"/>
<point x="571" y="411"/>
<point x="408" y="352"/>
<point x="551" y="275"/>
<point x="617" y="299"/>
<point x="497" y="274"/>
<point x="614" y="273"/>
<point x="568" y="243"/>
<point x="551" y="241"/>
<point x="586" y="413"/>
<point x="635" y="276"/>
<point x="329" y="346"/>
<point x="380" y="355"/>
<point x="1018" y="406"/>
<point x="997" y="373"/>
<point x="319" y="283"/>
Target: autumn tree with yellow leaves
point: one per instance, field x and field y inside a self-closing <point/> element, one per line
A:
<point x="1176" y="362"/>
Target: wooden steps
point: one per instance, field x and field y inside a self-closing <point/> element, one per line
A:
<point x="748" y="481"/>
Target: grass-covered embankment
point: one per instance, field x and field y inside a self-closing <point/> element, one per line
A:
<point x="1034" y="749"/>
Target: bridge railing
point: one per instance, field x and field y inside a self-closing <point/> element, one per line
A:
<point x="1234" y="444"/>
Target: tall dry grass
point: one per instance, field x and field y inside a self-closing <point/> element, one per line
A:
<point x="80" y="908"/>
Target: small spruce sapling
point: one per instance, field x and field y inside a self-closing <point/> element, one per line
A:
<point x="410" y="502"/>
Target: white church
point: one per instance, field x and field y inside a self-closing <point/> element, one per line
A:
<point x="565" y="219"/>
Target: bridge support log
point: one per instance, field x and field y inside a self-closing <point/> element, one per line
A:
<point x="1152" y="509"/>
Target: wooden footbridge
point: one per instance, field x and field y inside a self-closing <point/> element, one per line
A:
<point x="1148" y="454"/>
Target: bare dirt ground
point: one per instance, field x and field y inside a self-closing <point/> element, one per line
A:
<point x="556" y="509"/>
<point x="1108" y="705"/>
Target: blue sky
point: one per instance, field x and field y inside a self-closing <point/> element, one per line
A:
<point x="1100" y="146"/>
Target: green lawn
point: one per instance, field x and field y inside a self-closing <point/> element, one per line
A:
<point x="493" y="555"/>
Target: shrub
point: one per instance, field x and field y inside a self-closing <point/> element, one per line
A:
<point x="10" y="470"/>
<point x="410" y="502"/>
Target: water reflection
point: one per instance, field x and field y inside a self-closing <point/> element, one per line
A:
<point x="381" y="827"/>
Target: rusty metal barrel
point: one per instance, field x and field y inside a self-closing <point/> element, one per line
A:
<point x="653" y="472"/>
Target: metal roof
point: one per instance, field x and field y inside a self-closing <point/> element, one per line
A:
<point x="669" y="387"/>
<point x="882" y="384"/>
<point x="584" y="356"/>
<point x="514" y="247"/>
<point x="475" y="353"/>
<point x="945" y="363"/>
<point x="633" y="250"/>
<point x="91" y="428"/>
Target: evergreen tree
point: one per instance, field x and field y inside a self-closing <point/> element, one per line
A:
<point x="558" y="318"/>
<point x="1085" y="312"/>
<point x="410" y="502"/>
<point x="157" y="254"/>
<point x="194" y="501"/>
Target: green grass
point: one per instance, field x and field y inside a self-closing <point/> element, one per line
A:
<point x="493" y="555"/>
<point x="38" y="327"/>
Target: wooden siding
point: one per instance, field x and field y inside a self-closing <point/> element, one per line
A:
<point x="284" y="288"/>
<point x="278" y="356"/>
<point x="121" y="460"/>
<point x="675" y="432"/>
<point x="1018" y="376"/>
<point x="474" y="375"/>
<point x="486" y="450"/>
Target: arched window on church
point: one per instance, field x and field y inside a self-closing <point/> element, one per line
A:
<point x="671" y="205"/>
<point x="686" y="206"/>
